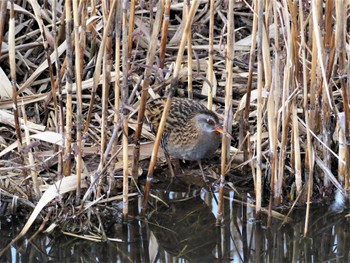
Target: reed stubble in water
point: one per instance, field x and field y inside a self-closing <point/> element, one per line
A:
<point x="192" y="132"/>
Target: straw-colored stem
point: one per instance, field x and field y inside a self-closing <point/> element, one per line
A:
<point x="33" y="172"/>
<point x="258" y="188"/>
<point x="3" y="12"/>
<point x="144" y="93"/>
<point x="211" y="54"/>
<point x="78" y="80"/>
<point x="131" y="26"/>
<point x="124" y="97"/>
<point x="245" y="123"/>
<point x="12" y="58"/>
<point x="228" y="104"/>
<point x="69" y="79"/>
<point x="164" y="34"/>
<point x="189" y="57"/>
<point x="345" y="87"/>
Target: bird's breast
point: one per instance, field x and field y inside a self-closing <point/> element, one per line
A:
<point x="187" y="148"/>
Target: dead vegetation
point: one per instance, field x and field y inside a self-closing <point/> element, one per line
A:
<point x="75" y="77"/>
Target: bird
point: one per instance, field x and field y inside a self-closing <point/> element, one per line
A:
<point x="192" y="132"/>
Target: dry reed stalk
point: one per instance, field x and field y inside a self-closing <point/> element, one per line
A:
<point x="33" y="172"/>
<point x="131" y="28"/>
<point x="228" y="105"/>
<point x="211" y="54"/>
<point x="272" y="107"/>
<point x="116" y="115"/>
<point x="108" y="13"/>
<point x="174" y="83"/>
<point x="258" y="180"/>
<point x="244" y="124"/>
<point x="57" y="89"/>
<point x="316" y="9"/>
<point x="145" y="86"/>
<point x="294" y="87"/>
<point x="326" y="107"/>
<point x="12" y="61"/>
<point x="78" y="80"/>
<point x="124" y="97"/>
<point x="164" y="33"/>
<point x="187" y="7"/>
<point x="3" y="12"/>
<point x="67" y="169"/>
<point x="340" y="36"/>
<point x="91" y="28"/>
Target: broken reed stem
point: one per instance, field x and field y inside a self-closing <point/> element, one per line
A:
<point x="211" y="54"/>
<point x="272" y="112"/>
<point x="228" y="104"/>
<point x="12" y="61"/>
<point x="124" y="97"/>
<point x="294" y="57"/>
<point x="69" y="82"/>
<point x="33" y="172"/>
<point x="116" y="115"/>
<point x="3" y="14"/>
<point x="78" y="81"/>
<point x="131" y="28"/>
<point x="187" y="7"/>
<point x="145" y="85"/>
<point x="244" y="128"/>
<point x="345" y="87"/>
<point x="258" y="186"/>
<point x="57" y="90"/>
<point x="173" y="86"/>
<point x="164" y="34"/>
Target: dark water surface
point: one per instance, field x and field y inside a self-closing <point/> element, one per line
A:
<point x="185" y="231"/>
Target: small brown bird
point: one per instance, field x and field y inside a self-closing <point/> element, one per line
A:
<point x="191" y="132"/>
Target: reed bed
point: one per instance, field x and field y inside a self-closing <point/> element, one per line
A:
<point x="75" y="78"/>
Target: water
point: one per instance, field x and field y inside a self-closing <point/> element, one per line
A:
<point x="186" y="231"/>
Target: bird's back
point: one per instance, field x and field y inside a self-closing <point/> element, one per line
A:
<point x="181" y="112"/>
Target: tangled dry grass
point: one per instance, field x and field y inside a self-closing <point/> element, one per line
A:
<point x="75" y="77"/>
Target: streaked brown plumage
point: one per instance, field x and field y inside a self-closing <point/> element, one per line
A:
<point x="192" y="132"/>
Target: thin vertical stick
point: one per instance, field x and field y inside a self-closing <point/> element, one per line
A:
<point x="116" y="119"/>
<point x="272" y="112"/>
<point x="124" y="98"/>
<point x="258" y="193"/>
<point x="108" y="13"/>
<point x="131" y="27"/>
<point x="69" y="76"/>
<point x="211" y="54"/>
<point x="178" y="63"/>
<point x="33" y="173"/>
<point x="189" y="56"/>
<point x="78" y="79"/>
<point x="306" y="105"/>
<point x="245" y="123"/>
<point x="228" y="104"/>
<point x="345" y="87"/>
<point x="164" y="34"/>
<point x="144" y="93"/>
<point x="3" y="12"/>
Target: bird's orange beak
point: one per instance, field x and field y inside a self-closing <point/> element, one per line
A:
<point x="221" y="130"/>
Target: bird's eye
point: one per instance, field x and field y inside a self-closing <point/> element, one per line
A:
<point x="210" y="121"/>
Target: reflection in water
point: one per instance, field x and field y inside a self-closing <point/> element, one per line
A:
<point x="185" y="231"/>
